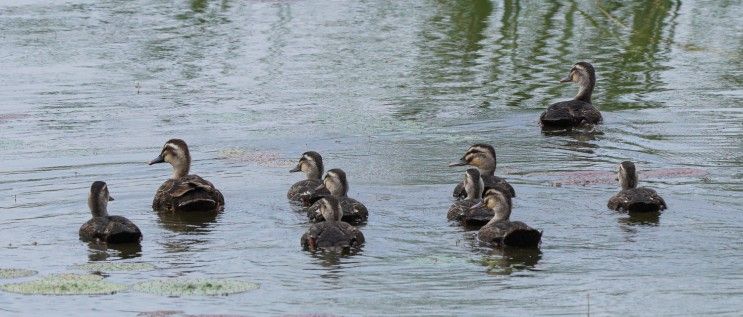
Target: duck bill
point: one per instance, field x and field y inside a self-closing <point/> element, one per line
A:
<point x="298" y="168"/>
<point x="566" y="79"/>
<point x="110" y="198"/>
<point x="158" y="159"/>
<point x="477" y="205"/>
<point x="321" y="187"/>
<point x="461" y="162"/>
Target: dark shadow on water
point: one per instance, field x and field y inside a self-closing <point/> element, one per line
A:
<point x="187" y="221"/>
<point x="640" y="219"/>
<point x="507" y="260"/>
<point x="98" y="251"/>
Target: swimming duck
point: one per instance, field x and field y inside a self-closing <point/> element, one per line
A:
<point x="462" y="210"/>
<point x="105" y="228"/>
<point x="311" y="164"/>
<point x="183" y="192"/>
<point x="632" y="198"/>
<point x="482" y="156"/>
<point x="579" y="111"/>
<point x="336" y="185"/>
<point x="332" y="234"/>
<point x="500" y="231"/>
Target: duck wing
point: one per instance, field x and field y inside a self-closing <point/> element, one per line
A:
<point x="303" y="187"/>
<point x="188" y="193"/>
<point x="640" y="199"/>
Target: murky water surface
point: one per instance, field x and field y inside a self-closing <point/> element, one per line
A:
<point x="390" y="91"/>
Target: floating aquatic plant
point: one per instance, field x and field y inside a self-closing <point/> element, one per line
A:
<point x="65" y="284"/>
<point x="116" y="266"/>
<point x="16" y="273"/>
<point x="199" y="287"/>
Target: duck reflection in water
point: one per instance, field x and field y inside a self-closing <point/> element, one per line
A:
<point x="507" y="260"/>
<point x="100" y="251"/>
<point x="188" y="221"/>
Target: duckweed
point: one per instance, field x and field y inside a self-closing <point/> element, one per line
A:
<point x="65" y="284"/>
<point x="197" y="287"/>
<point x="15" y="273"/>
<point x="116" y="266"/>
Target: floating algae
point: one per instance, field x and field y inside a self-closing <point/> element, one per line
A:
<point x="115" y="266"/>
<point x="15" y="273"/>
<point x="65" y="284"/>
<point x="198" y="287"/>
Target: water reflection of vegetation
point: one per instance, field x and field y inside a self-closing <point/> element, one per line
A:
<point x="532" y="47"/>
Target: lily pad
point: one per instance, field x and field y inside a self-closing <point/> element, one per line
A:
<point x="16" y="273"/>
<point x="116" y="266"/>
<point x="65" y="284"/>
<point x="197" y="287"/>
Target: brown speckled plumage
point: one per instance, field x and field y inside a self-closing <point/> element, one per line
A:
<point x="105" y="228"/>
<point x="632" y="198"/>
<point x="483" y="157"/>
<point x="332" y="234"/>
<point x="184" y="192"/>
<point x="580" y="110"/>
<point x="501" y="231"/>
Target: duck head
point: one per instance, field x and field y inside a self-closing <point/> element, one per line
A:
<point x="473" y="183"/>
<point x="627" y="175"/>
<point x="584" y="75"/>
<point x="498" y="202"/>
<point x="98" y="199"/>
<point x="479" y="155"/>
<point x="175" y="152"/>
<point x="335" y="182"/>
<point x="310" y="164"/>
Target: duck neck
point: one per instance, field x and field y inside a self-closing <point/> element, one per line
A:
<point x="97" y="208"/>
<point x="180" y="169"/>
<point x="313" y="173"/>
<point x="487" y="169"/>
<point x="585" y="90"/>
<point x="502" y="213"/>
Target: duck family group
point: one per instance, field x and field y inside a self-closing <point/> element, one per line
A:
<point x="482" y="200"/>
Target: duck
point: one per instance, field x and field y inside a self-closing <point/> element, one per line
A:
<point x="103" y="227"/>
<point x="579" y="111"/>
<point x="500" y="230"/>
<point x="184" y="192"/>
<point x="634" y="199"/>
<point x="462" y="210"/>
<point x="482" y="156"/>
<point x="335" y="184"/>
<point x="333" y="234"/>
<point x="311" y="165"/>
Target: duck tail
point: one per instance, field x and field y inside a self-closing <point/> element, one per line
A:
<point x="643" y="207"/>
<point x="196" y="205"/>
<point x="523" y="238"/>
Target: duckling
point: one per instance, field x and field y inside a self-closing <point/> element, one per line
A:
<point x="500" y="231"/>
<point x="336" y="185"/>
<point x="482" y="156"/>
<point x="105" y="228"/>
<point x="311" y="164"/>
<point x="184" y="192"/>
<point x="579" y="111"/>
<point x="632" y="198"/>
<point x="332" y="234"/>
<point x="462" y="210"/>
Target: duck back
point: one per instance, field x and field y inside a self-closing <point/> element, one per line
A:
<point x="570" y="113"/>
<point x="110" y="229"/>
<point x="471" y="218"/>
<point x="190" y="193"/>
<point x="335" y="235"/>
<point x="637" y="200"/>
<point x="510" y="233"/>
<point x="303" y="187"/>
